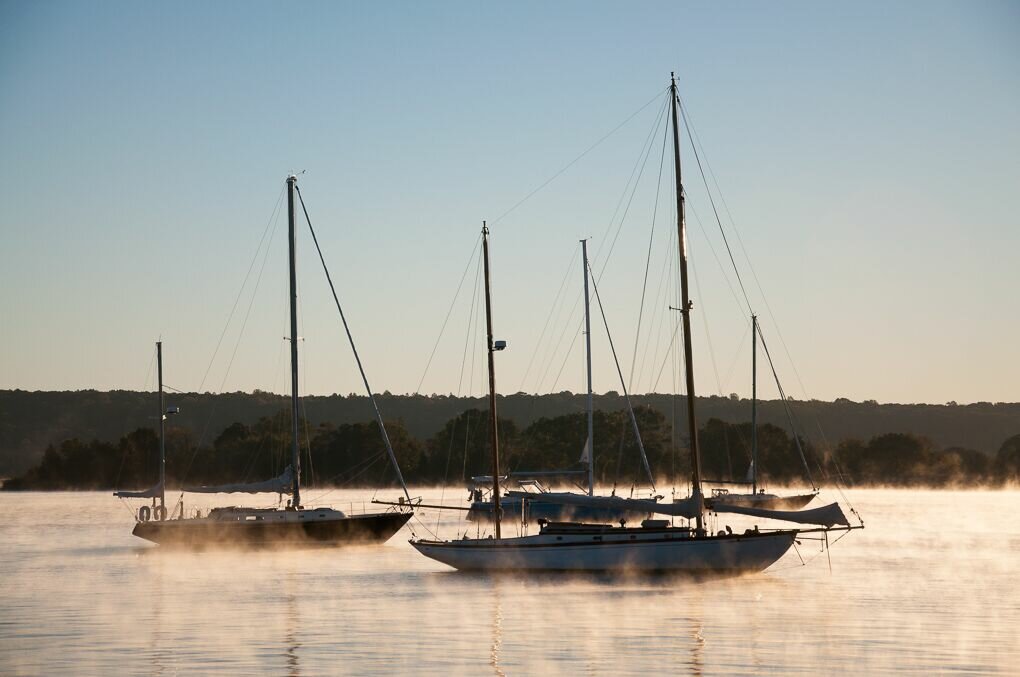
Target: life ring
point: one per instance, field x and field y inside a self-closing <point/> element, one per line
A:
<point x="159" y="513"/>
<point x="144" y="513"/>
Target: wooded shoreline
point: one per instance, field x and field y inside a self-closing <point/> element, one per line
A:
<point x="353" y="455"/>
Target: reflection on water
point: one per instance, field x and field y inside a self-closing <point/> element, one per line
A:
<point x="290" y="639"/>
<point x="497" y="627"/>
<point x="927" y="587"/>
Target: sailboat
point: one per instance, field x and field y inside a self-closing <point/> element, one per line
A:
<point x="531" y="500"/>
<point x="296" y="524"/>
<point x="758" y="498"/>
<point x="656" y="545"/>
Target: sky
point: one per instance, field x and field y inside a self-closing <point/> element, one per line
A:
<point x="866" y="155"/>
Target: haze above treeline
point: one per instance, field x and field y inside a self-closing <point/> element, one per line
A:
<point x="30" y="422"/>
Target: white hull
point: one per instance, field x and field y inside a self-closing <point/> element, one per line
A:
<point x="615" y="550"/>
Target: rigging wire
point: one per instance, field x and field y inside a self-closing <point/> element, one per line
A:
<point x="230" y="316"/>
<point x="646" y="151"/>
<point x="648" y="258"/>
<point x="786" y="406"/>
<point x="631" y="187"/>
<point x="548" y="317"/>
<point x="695" y="144"/>
<point x="666" y="287"/>
<point x="460" y="390"/>
<point x="456" y="295"/>
<point x="747" y="258"/>
<point x="357" y="358"/>
<point x="715" y="210"/>
<point x="623" y="384"/>
<point x="274" y="220"/>
<point x="575" y="160"/>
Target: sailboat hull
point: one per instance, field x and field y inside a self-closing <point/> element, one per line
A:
<point x="626" y="551"/>
<point x="512" y="507"/>
<point x="763" y="501"/>
<point x="213" y="533"/>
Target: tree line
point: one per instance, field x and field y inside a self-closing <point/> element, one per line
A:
<point x="353" y="454"/>
<point x="32" y="421"/>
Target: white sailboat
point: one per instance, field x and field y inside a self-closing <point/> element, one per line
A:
<point x="655" y="545"/>
<point x="531" y="501"/>
<point x="758" y="498"/>
<point x="296" y="524"/>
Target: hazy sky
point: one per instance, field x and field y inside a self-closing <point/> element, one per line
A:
<point x="869" y="154"/>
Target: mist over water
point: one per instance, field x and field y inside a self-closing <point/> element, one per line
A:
<point x="929" y="586"/>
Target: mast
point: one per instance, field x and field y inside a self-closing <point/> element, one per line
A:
<point x="685" y="309"/>
<point x="754" y="404"/>
<point x="295" y="450"/>
<point x="587" y="337"/>
<point x="162" y="436"/>
<point x="496" y="511"/>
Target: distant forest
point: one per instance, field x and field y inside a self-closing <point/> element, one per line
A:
<point x="887" y="444"/>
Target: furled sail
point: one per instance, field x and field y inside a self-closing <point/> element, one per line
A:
<point x="152" y="492"/>
<point x="827" y="515"/>
<point x="277" y="485"/>
<point x="688" y="507"/>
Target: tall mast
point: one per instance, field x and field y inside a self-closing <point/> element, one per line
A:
<point x="162" y="436"/>
<point x="754" y="404"/>
<point x="587" y="337"/>
<point x="295" y="451"/>
<point x="496" y="511"/>
<point x="685" y="308"/>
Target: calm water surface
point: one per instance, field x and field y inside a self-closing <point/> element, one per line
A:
<point x="931" y="585"/>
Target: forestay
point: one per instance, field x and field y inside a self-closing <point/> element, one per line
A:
<point x="277" y="485"/>
<point x="827" y="515"/>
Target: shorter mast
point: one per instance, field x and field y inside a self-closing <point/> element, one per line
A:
<point x="590" y="444"/>
<point x="162" y="436"/>
<point x="295" y="450"/>
<point x="754" y="404"/>
<point x="496" y="511"/>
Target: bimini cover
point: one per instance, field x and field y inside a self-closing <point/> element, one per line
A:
<point x="151" y="492"/>
<point x="277" y="485"/>
<point x="827" y="515"/>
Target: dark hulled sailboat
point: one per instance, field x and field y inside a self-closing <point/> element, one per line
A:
<point x="294" y="525"/>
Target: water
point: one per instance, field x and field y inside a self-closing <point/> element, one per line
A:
<point x="931" y="585"/>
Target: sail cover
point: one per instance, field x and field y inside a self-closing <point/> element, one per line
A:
<point x="827" y="515"/>
<point x="151" y="492"/>
<point x="688" y="507"/>
<point x="277" y="485"/>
